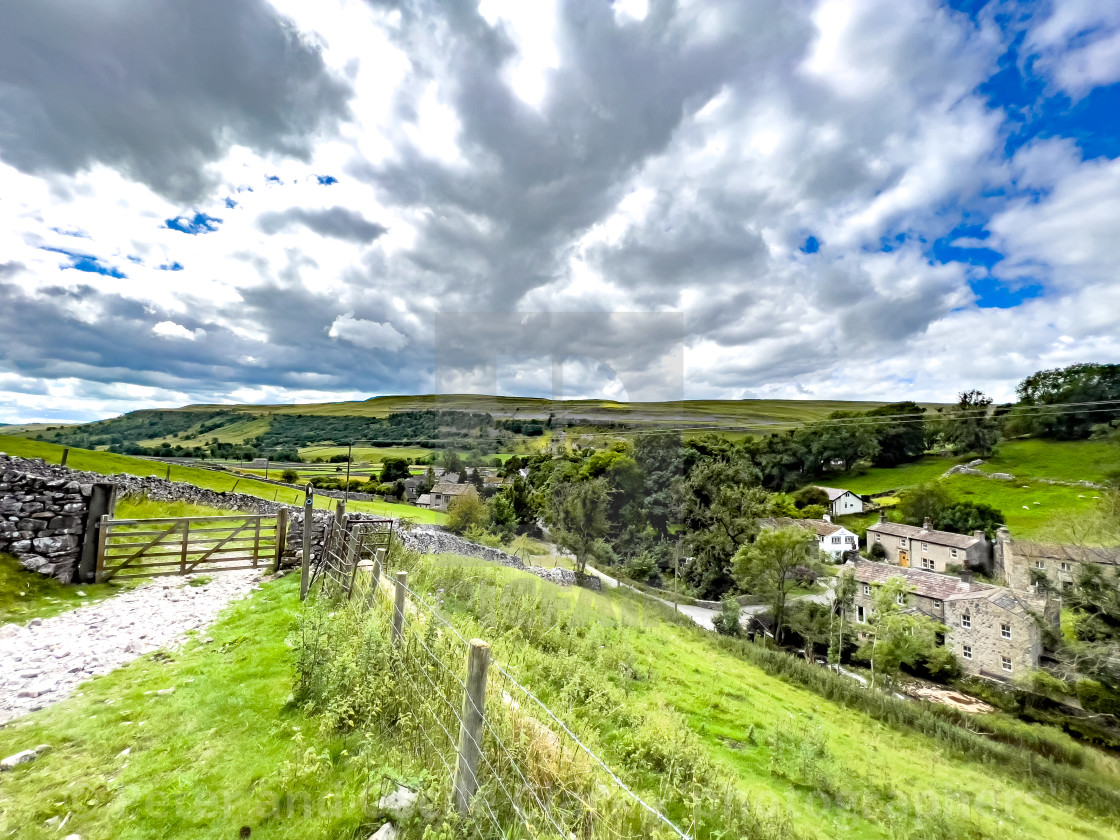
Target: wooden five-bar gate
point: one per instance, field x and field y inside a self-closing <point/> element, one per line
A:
<point x="129" y="548"/>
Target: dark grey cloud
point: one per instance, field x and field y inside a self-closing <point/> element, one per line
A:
<point x="157" y="88"/>
<point x="336" y="221"/>
<point x="7" y="269"/>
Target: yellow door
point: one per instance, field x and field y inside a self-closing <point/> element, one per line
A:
<point x="903" y="558"/>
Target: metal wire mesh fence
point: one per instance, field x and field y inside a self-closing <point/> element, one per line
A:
<point x="507" y="762"/>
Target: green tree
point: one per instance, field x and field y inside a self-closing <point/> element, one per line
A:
<point x="925" y="501"/>
<point x="765" y="567"/>
<point x="843" y="601"/>
<point x="1081" y="383"/>
<point x="969" y="426"/>
<point x="720" y="503"/>
<point x="727" y="621"/>
<point x="393" y="469"/>
<point x="900" y="441"/>
<point x="969" y="517"/>
<point x="812" y="622"/>
<point x="503" y="518"/>
<point x="289" y="476"/>
<point x="579" y="519"/>
<point x="467" y="510"/>
<point x="810" y="495"/>
<point x="896" y="637"/>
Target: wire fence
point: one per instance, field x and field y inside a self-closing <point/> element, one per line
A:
<point x="507" y="762"/>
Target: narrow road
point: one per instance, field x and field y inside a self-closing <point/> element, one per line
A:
<point x="44" y="661"/>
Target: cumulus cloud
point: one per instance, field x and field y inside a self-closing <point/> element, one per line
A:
<point x="335" y="221"/>
<point x="368" y="334"/>
<point x="158" y="89"/>
<point x="544" y="175"/>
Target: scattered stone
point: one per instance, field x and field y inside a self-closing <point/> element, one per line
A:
<point x="400" y="804"/>
<point x="13" y="761"/>
<point x="8" y="630"/>
<point x="386" y="832"/>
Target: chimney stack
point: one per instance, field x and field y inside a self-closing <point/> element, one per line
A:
<point x="827" y="518"/>
<point x="882" y="516"/>
<point x="966" y="576"/>
<point x="928" y="524"/>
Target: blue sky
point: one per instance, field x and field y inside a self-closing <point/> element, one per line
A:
<point x="836" y="198"/>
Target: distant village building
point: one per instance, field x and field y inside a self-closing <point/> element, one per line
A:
<point x="929" y="549"/>
<point x="443" y="492"/>
<point x="842" y="502"/>
<point x="831" y="538"/>
<point x="1020" y="563"/>
<point x="992" y="631"/>
<point x="424" y="500"/>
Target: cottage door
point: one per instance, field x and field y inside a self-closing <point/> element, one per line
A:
<point x="903" y="557"/>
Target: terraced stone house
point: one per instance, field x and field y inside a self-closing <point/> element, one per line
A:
<point x="992" y="631"/>
<point x="1020" y="563"/>
<point x="929" y="549"/>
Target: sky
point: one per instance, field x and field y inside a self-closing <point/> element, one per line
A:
<point x="273" y="201"/>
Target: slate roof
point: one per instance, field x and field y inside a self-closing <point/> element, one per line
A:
<point x="1049" y="551"/>
<point x="834" y="493"/>
<point x="1002" y="598"/>
<point x="817" y="526"/>
<point x="424" y="500"/>
<point x="446" y="488"/>
<point x="925" y="583"/>
<point x="895" y="529"/>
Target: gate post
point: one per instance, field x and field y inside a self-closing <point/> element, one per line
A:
<point x="470" y="730"/>
<point x="101" y="498"/>
<point x="305" y="570"/>
<point x="281" y="537"/>
<point x="375" y="576"/>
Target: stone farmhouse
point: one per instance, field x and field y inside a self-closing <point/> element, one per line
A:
<point x="1020" y="563"/>
<point x="928" y="549"/>
<point x="842" y="502"/>
<point x="443" y="492"/>
<point x="991" y="630"/>
<point x="832" y="539"/>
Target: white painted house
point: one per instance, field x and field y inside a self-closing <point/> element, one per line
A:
<point x="832" y="539"/>
<point x="842" y="502"/>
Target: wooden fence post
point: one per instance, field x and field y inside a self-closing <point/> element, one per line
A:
<point x="102" y="541"/>
<point x="305" y="570"/>
<point x="186" y="546"/>
<point x="281" y="537"/>
<point x="65" y="455"/>
<point x="398" y="607"/>
<point x="375" y="576"/>
<point x="470" y="730"/>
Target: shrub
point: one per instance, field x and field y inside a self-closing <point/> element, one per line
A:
<point x="727" y="621"/>
<point x="290" y="476"/>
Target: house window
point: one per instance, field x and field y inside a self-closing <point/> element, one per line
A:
<point x="860" y="615"/>
<point x="966" y="620"/>
<point x="1067" y="567"/>
<point x="1067" y="584"/>
<point x="1038" y="564"/>
<point x="867" y="589"/>
<point x="878" y="538"/>
<point x="1005" y="631"/>
<point x="953" y="553"/>
<point x="902" y="541"/>
<point x="936" y="604"/>
<point x="966" y="652"/>
<point x="927" y="563"/>
<point x="925" y="546"/>
<point x="1005" y="663"/>
<point x="900" y="598"/>
<point x="836" y="541"/>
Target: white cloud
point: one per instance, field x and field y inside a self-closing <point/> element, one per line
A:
<point x="370" y="335"/>
<point x="1078" y="44"/>
<point x="169" y="329"/>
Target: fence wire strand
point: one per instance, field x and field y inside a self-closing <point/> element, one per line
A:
<point x="420" y="618"/>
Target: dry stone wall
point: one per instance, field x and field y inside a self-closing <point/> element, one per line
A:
<point x="44" y="515"/>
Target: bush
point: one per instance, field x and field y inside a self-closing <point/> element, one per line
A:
<point x="877" y="552"/>
<point x="727" y="622"/>
<point x="290" y="476"/>
<point x="465" y="511"/>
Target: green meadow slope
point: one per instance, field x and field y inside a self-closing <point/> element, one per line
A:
<point x="657" y="698"/>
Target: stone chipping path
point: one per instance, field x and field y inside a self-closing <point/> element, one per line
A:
<point x="44" y="661"/>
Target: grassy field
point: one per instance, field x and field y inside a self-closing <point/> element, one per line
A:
<point x="657" y="699"/>
<point x="1081" y="460"/>
<point x="882" y="479"/>
<point x="1031" y="510"/>
<point x="26" y="595"/>
<point x="108" y="464"/>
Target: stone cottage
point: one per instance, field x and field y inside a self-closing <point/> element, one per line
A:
<point x="929" y="549"/>
<point x="443" y="492"/>
<point x="993" y="632"/>
<point x="1019" y="562"/>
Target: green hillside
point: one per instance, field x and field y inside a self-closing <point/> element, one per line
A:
<point x="704" y="728"/>
<point x="108" y="463"/>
